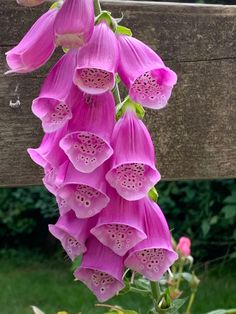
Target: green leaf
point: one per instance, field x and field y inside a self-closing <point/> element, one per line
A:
<point x="231" y="199"/>
<point x="232" y="255"/>
<point x="214" y="220"/>
<point x="205" y="227"/>
<point x="123" y="30"/>
<point x="229" y="211"/>
<point x="36" y="310"/>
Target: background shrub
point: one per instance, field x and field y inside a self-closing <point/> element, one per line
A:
<point x="203" y="210"/>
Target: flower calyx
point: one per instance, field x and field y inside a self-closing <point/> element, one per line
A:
<point x="128" y="104"/>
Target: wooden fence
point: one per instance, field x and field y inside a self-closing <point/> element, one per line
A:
<point x="195" y="136"/>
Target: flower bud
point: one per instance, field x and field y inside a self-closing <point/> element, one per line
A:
<point x="184" y="246"/>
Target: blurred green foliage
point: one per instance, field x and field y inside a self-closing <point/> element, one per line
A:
<point x="24" y="216"/>
<point x="205" y="211"/>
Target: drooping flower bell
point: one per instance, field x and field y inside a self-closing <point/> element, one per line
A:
<point x="49" y="151"/>
<point x="74" y="23"/>
<point x="54" y="104"/>
<point x="84" y="193"/>
<point x="97" y="61"/>
<point x="184" y="246"/>
<point x="133" y="171"/>
<point x="30" y="3"/>
<point x="154" y="255"/>
<point x="120" y="225"/>
<point x="73" y="233"/>
<point x="101" y="270"/>
<point x="35" y="48"/>
<point x="88" y="145"/>
<point x="143" y="72"/>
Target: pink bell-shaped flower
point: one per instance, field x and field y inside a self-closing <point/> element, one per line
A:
<point x="35" y="48"/>
<point x="74" y="23"/>
<point x="49" y="151"/>
<point x="97" y="61"/>
<point x="143" y="72"/>
<point x="62" y="205"/>
<point x="30" y="3"/>
<point x="101" y="270"/>
<point x="120" y="225"/>
<point x="88" y="145"/>
<point x="154" y="255"/>
<point x="54" y="104"/>
<point x="84" y="193"/>
<point x="54" y="176"/>
<point x="73" y="233"/>
<point x="133" y="171"/>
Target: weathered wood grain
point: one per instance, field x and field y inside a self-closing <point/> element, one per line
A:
<point x="195" y="136"/>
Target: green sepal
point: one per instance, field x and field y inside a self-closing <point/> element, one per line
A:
<point x="123" y="30"/>
<point x="129" y="104"/>
<point x="65" y="50"/>
<point x="153" y="194"/>
<point x="106" y="16"/>
<point x="55" y="5"/>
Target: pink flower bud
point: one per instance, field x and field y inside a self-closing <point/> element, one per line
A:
<point x="184" y="246"/>
<point x="35" y="48"/>
<point x="74" y="23"/>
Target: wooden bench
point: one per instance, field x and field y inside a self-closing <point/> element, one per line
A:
<point x="195" y="136"/>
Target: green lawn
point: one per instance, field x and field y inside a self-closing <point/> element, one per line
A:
<point x="49" y="285"/>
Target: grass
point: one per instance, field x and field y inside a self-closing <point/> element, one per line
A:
<point x="49" y="284"/>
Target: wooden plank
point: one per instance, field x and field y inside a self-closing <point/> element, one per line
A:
<point x="195" y="136"/>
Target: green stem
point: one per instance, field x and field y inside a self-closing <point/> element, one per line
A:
<point x="116" y="94"/>
<point x="190" y="303"/>
<point x="97" y="7"/>
<point x="156" y="292"/>
<point x="137" y="290"/>
<point x="180" y="274"/>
